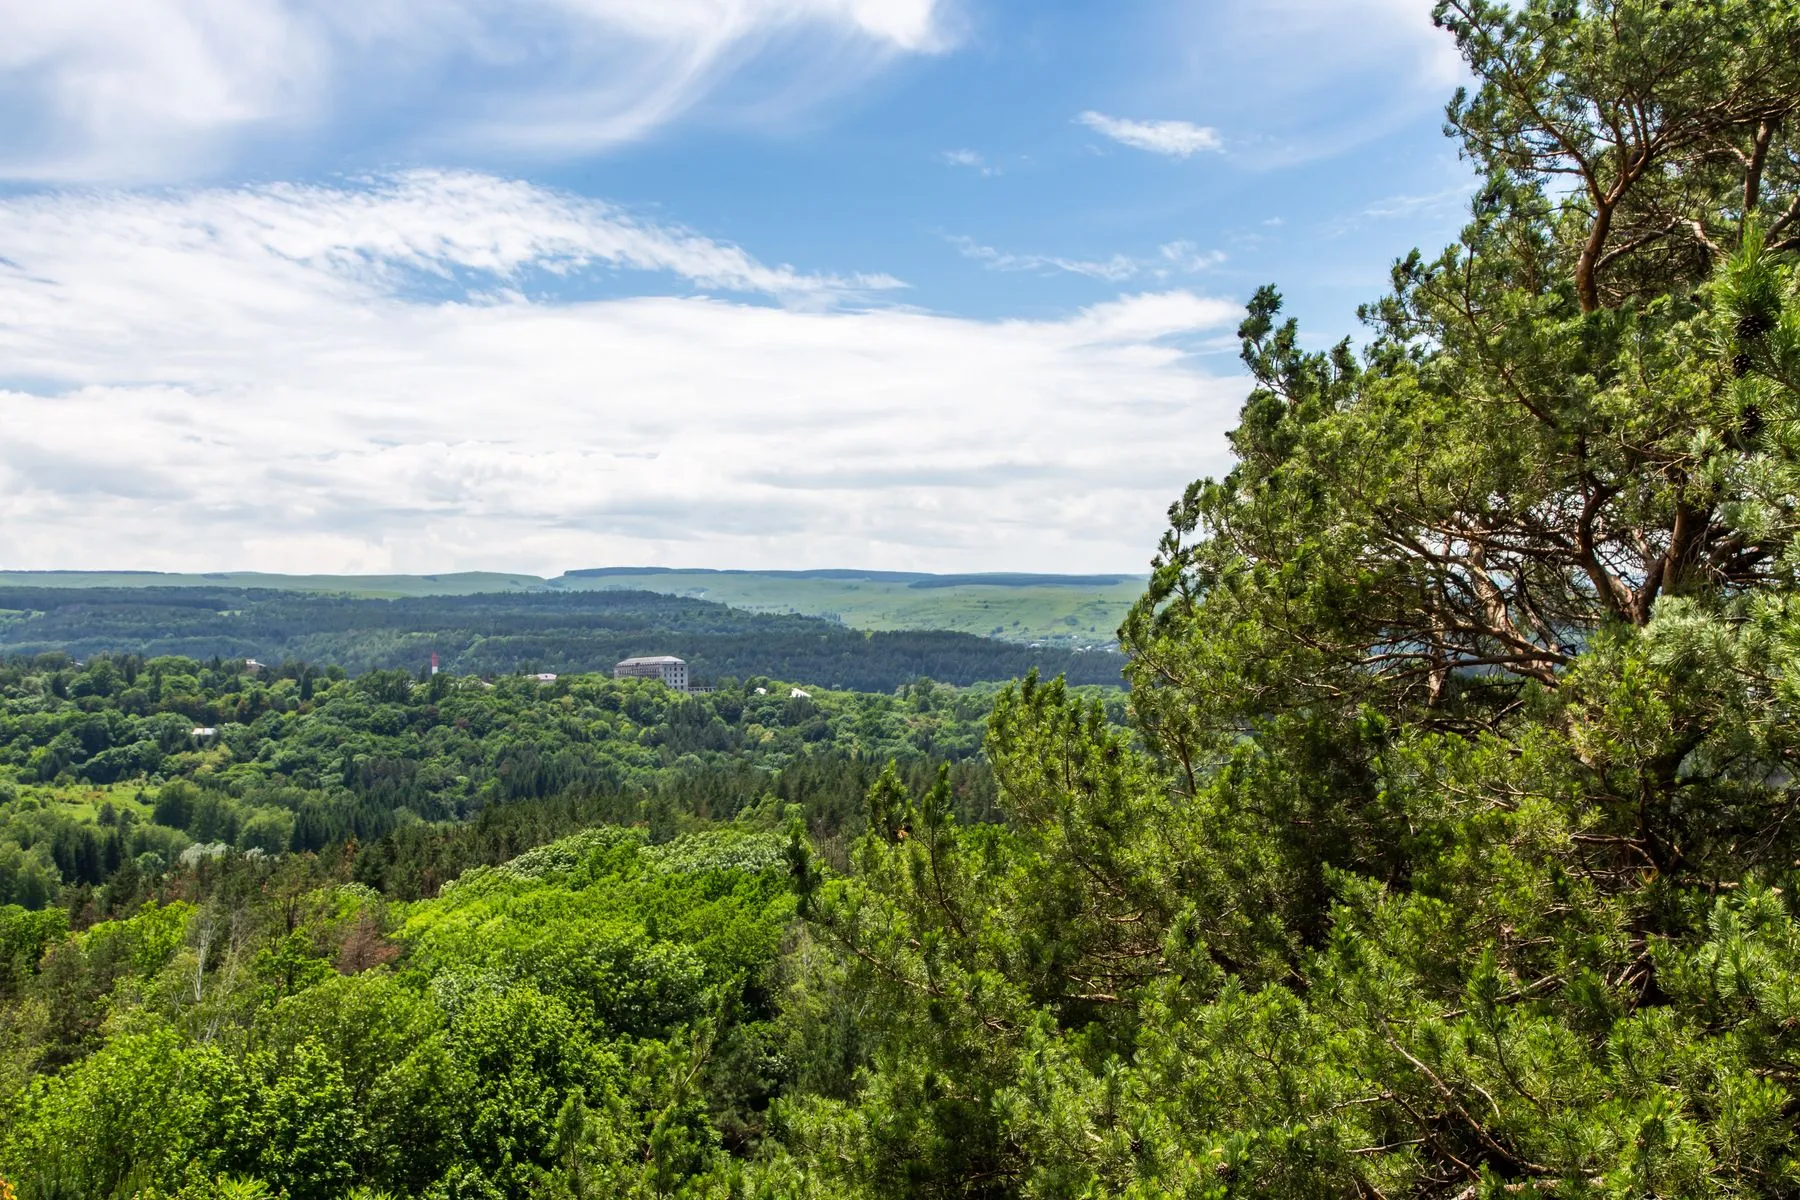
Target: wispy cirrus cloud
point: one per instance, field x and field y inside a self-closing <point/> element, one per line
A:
<point x="458" y="236"/>
<point x="1436" y="206"/>
<point x="1183" y="255"/>
<point x="972" y="159"/>
<point x="1115" y="269"/>
<point x="1177" y="257"/>
<point x="1176" y="139"/>
<point x="405" y="375"/>
<point x="159" y="89"/>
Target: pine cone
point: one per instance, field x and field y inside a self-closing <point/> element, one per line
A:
<point x="1752" y="423"/>
<point x="1753" y="325"/>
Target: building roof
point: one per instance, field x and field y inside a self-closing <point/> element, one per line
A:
<point x="654" y="660"/>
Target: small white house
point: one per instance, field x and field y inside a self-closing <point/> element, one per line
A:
<point x="799" y="694"/>
<point x="545" y="677"/>
<point x="204" y="731"/>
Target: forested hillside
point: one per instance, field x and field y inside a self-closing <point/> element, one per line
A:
<point x="1071" y="611"/>
<point x="487" y="633"/>
<point x="120" y="770"/>
<point x="239" y="846"/>
<point x="1449" y="847"/>
<point x="594" y="1017"/>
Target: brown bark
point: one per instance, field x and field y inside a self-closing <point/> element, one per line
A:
<point x="1587" y="267"/>
<point x="1753" y="170"/>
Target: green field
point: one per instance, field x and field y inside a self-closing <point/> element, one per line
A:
<point x="81" y="801"/>
<point x="1084" y="611"/>
<point x="1070" y="611"/>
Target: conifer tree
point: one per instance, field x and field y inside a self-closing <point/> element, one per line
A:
<point x="1452" y="850"/>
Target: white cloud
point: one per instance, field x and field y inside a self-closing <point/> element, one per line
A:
<point x="1177" y="139"/>
<point x="1172" y="257"/>
<point x="1150" y="316"/>
<point x="155" y="89"/>
<point x="1436" y="206"/>
<point x="971" y="159"/>
<point x="1183" y="255"/>
<point x="303" y="378"/>
<point x="1116" y="269"/>
<point x="248" y="253"/>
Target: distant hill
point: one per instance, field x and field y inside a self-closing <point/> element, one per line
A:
<point x="1070" y="611"/>
<point x="1073" y="611"/>
<point x="499" y="633"/>
<point x="1012" y="579"/>
<point x="455" y="583"/>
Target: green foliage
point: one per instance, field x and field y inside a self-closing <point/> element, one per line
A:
<point x="587" y="1021"/>
<point x="562" y="631"/>
<point x="1453" y="851"/>
<point x="1073" y="611"/>
<point x="1449" y="849"/>
<point x="1064" y="610"/>
<point x="388" y="761"/>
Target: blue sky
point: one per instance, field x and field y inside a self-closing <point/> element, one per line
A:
<point x="456" y="284"/>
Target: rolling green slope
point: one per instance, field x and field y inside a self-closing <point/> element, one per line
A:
<point x="1072" y="611"/>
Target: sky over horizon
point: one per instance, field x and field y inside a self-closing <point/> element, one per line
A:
<point x="439" y="285"/>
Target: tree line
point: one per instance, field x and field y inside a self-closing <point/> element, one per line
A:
<point x="119" y="770"/>
<point x="504" y="633"/>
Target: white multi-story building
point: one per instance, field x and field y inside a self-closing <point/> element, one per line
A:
<point x="666" y="667"/>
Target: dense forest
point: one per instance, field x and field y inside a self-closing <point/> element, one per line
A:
<point x="114" y="772"/>
<point x="1447" y="847"/>
<point x="489" y="633"/>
